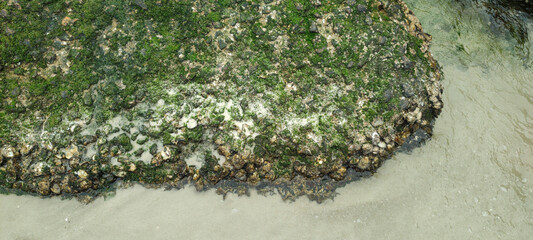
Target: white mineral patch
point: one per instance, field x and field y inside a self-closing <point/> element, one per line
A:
<point x="293" y="122"/>
<point x="118" y="121"/>
<point x="314" y="137"/>
<point x="196" y="158"/>
<point x="244" y="126"/>
<point x="89" y="129"/>
<point x="259" y="109"/>
<point x="221" y="158"/>
<point x="172" y="91"/>
<point x="146" y="157"/>
<point x="90" y="152"/>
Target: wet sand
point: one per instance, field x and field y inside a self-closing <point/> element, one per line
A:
<point x="472" y="180"/>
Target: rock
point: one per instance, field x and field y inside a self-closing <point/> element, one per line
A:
<point x="67" y="21"/>
<point x="132" y="167"/>
<point x="377" y="122"/>
<point x="3" y="13"/>
<point x="288" y="92"/>
<point x="350" y="64"/>
<point x="366" y="148"/>
<point x="44" y="186"/>
<point x="8" y="152"/>
<point x="313" y="28"/>
<point x="166" y="154"/>
<point x="71" y="152"/>
<point x="26" y="149"/>
<point x="368" y="20"/>
<point x="82" y="174"/>
<point x="382" y="40"/>
<point x="222" y="44"/>
<point x="37" y="168"/>
<point x="141" y="4"/>
<point x="408" y="90"/>
<point x="192" y="123"/>
<point x="218" y="25"/>
<point x="361" y="8"/>
<point x="404" y="104"/>
<point x="56" y="189"/>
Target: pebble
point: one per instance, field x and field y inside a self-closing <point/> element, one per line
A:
<point x="141" y="4"/>
<point x="377" y="122"/>
<point x="361" y="8"/>
<point x="37" y="169"/>
<point x="192" y="123"/>
<point x="367" y="147"/>
<point x="8" y="152"/>
<point x="222" y="44"/>
<point x="313" y="28"/>
<point x="408" y="90"/>
<point x="82" y="174"/>
<point x="71" y="152"/>
<point x="165" y="154"/>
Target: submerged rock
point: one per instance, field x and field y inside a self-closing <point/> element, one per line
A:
<point x="224" y="94"/>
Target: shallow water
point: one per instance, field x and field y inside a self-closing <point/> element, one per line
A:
<point x="473" y="180"/>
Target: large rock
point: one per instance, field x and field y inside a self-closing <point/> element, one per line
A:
<point x="211" y="90"/>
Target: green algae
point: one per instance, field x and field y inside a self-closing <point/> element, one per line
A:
<point x="277" y="88"/>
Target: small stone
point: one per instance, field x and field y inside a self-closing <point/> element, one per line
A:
<point x="8" y="152"/>
<point x="377" y="122"/>
<point x="363" y="163"/>
<point x="361" y="8"/>
<point x="382" y="40"/>
<point x="382" y="145"/>
<point x="313" y="28"/>
<point x="37" y="168"/>
<point x="82" y="174"/>
<point x="153" y="149"/>
<point x="375" y="138"/>
<point x="3" y="13"/>
<point x="404" y="104"/>
<point x="71" y="152"/>
<point x="67" y="20"/>
<point x="165" y="154"/>
<point x="141" y="4"/>
<point x="387" y="95"/>
<point x="192" y="123"/>
<point x="350" y="64"/>
<point x="218" y="25"/>
<point x="368" y="20"/>
<point x="25" y="149"/>
<point x="367" y="147"/>
<point x="56" y="189"/>
<point x="408" y="90"/>
<point x="222" y="44"/>
<point x="44" y="187"/>
<point x="132" y="167"/>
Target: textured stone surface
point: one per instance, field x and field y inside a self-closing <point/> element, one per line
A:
<point x="202" y="91"/>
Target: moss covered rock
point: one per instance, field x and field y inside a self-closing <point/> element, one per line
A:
<point x="167" y="92"/>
